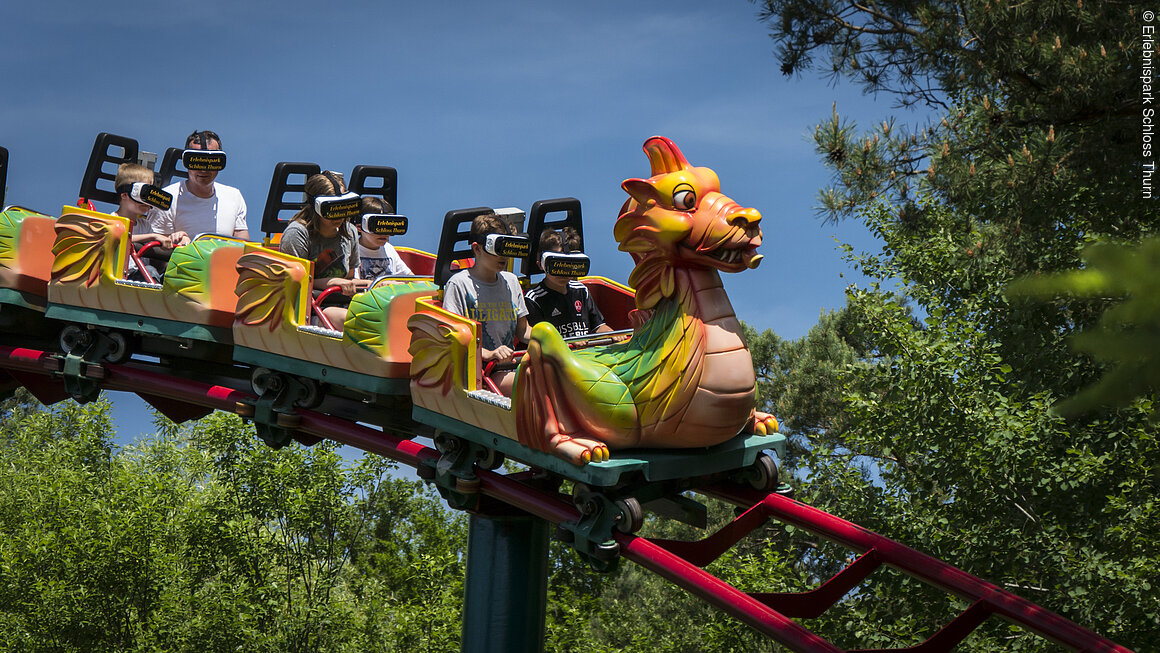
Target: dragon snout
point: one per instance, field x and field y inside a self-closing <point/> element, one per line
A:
<point x="747" y="219"/>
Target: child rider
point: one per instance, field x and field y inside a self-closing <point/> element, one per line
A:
<point x="563" y="302"/>
<point x="134" y="185"/>
<point x="489" y="294"/>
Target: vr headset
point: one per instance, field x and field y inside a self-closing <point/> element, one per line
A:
<point x="147" y="194"/>
<point x="572" y="264"/>
<point x="204" y="160"/>
<point x="384" y="224"/>
<point x="506" y="246"/>
<point x="337" y="207"/>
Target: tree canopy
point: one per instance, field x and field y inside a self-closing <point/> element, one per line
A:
<point x="204" y="539"/>
<point x="928" y="407"/>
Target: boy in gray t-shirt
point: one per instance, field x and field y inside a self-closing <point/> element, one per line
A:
<point x="489" y="294"/>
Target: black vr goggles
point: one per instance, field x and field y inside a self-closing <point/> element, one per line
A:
<point x="204" y="160"/>
<point x="572" y="264"/>
<point x="384" y="224"/>
<point x="337" y="207"/>
<point x="506" y="246"/>
<point x="147" y="194"/>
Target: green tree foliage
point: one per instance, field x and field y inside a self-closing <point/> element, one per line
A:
<point x="1039" y="107"/>
<point x="949" y="440"/>
<point x="1127" y="337"/>
<point x="203" y="539"/>
<point x="635" y="611"/>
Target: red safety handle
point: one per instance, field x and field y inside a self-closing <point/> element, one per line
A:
<point x="136" y="256"/>
<point x="316" y="305"/>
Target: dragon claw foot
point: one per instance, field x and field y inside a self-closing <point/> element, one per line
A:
<point x="578" y="451"/>
<point x="763" y="423"/>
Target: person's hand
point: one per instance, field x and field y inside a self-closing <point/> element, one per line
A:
<point x="501" y="354"/>
<point x="348" y="286"/>
<point x="178" y="238"/>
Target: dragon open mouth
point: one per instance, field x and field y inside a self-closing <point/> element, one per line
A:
<point x="728" y="255"/>
<point x="734" y="259"/>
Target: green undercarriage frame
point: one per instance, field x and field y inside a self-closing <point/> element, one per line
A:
<point x="140" y="324"/>
<point x="654" y="464"/>
<point x="326" y="373"/>
<point x="22" y="299"/>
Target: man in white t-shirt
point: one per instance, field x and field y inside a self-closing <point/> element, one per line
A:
<point x="200" y="204"/>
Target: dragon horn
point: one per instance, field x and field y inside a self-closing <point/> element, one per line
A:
<point x="665" y="156"/>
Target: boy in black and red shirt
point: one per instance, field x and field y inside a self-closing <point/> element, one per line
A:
<point x="565" y="303"/>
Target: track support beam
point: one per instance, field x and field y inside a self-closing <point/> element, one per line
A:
<point x="506" y="591"/>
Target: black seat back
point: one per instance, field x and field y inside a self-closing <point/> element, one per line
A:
<point x="455" y="240"/>
<point x="280" y="184"/>
<point x="95" y="173"/>
<point x="363" y="181"/>
<point x="550" y="214"/>
<point x="169" y="169"/>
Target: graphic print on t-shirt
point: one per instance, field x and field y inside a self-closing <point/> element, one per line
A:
<point x="329" y="264"/>
<point x="498" y="319"/>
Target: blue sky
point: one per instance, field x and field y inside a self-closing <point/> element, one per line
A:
<point x="499" y="104"/>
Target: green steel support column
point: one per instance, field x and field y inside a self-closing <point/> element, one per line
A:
<point x="505" y="595"/>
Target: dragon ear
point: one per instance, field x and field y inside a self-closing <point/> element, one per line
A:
<point x="640" y="190"/>
<point x="665" y="156"/>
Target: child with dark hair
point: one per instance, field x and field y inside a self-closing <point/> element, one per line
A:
<point x="376" y="254"/>
<point x="489" y="294"/>
<point x="563" y="302"/>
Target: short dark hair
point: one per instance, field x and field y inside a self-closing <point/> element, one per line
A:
<point x="487" y="224"/>
<point x="203" y="137"/>
<point x="374" y="204"/>
<point x="565" y="240"/>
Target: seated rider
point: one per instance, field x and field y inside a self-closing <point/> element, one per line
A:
<point x="563" y="302"/>
<point x="132" y="183"/>
<point x="489" y="294"/>
<point x="322" y="232"/>
<point x="376" y="254"/>
<point x="201" y="204"/>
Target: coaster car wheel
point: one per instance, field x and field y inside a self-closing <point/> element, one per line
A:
<point x="763" y="473"/>
<point x="490" y="459"/>
<point x="310" y="394"/>
<point x="74" y="338"/>
<point x="264" y="380"/>
<point x="119" y="351"/>
<point x="606" y="551"/>
<point x="631" y="516"/>
<point x="584" y="499"/>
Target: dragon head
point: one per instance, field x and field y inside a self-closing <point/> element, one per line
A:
<point x="678" y="218"/>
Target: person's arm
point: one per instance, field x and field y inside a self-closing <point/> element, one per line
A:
<point x="241" y="230"/>
<point x="348" y="285"/>
<point x="176" y="239"/>
<point x="454" y="300"/>
<point x="294" y="241"/>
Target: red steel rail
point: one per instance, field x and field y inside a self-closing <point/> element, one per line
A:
<point x="679" y="562"/>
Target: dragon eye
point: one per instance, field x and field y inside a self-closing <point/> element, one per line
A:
<point x="684" y="199"/>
